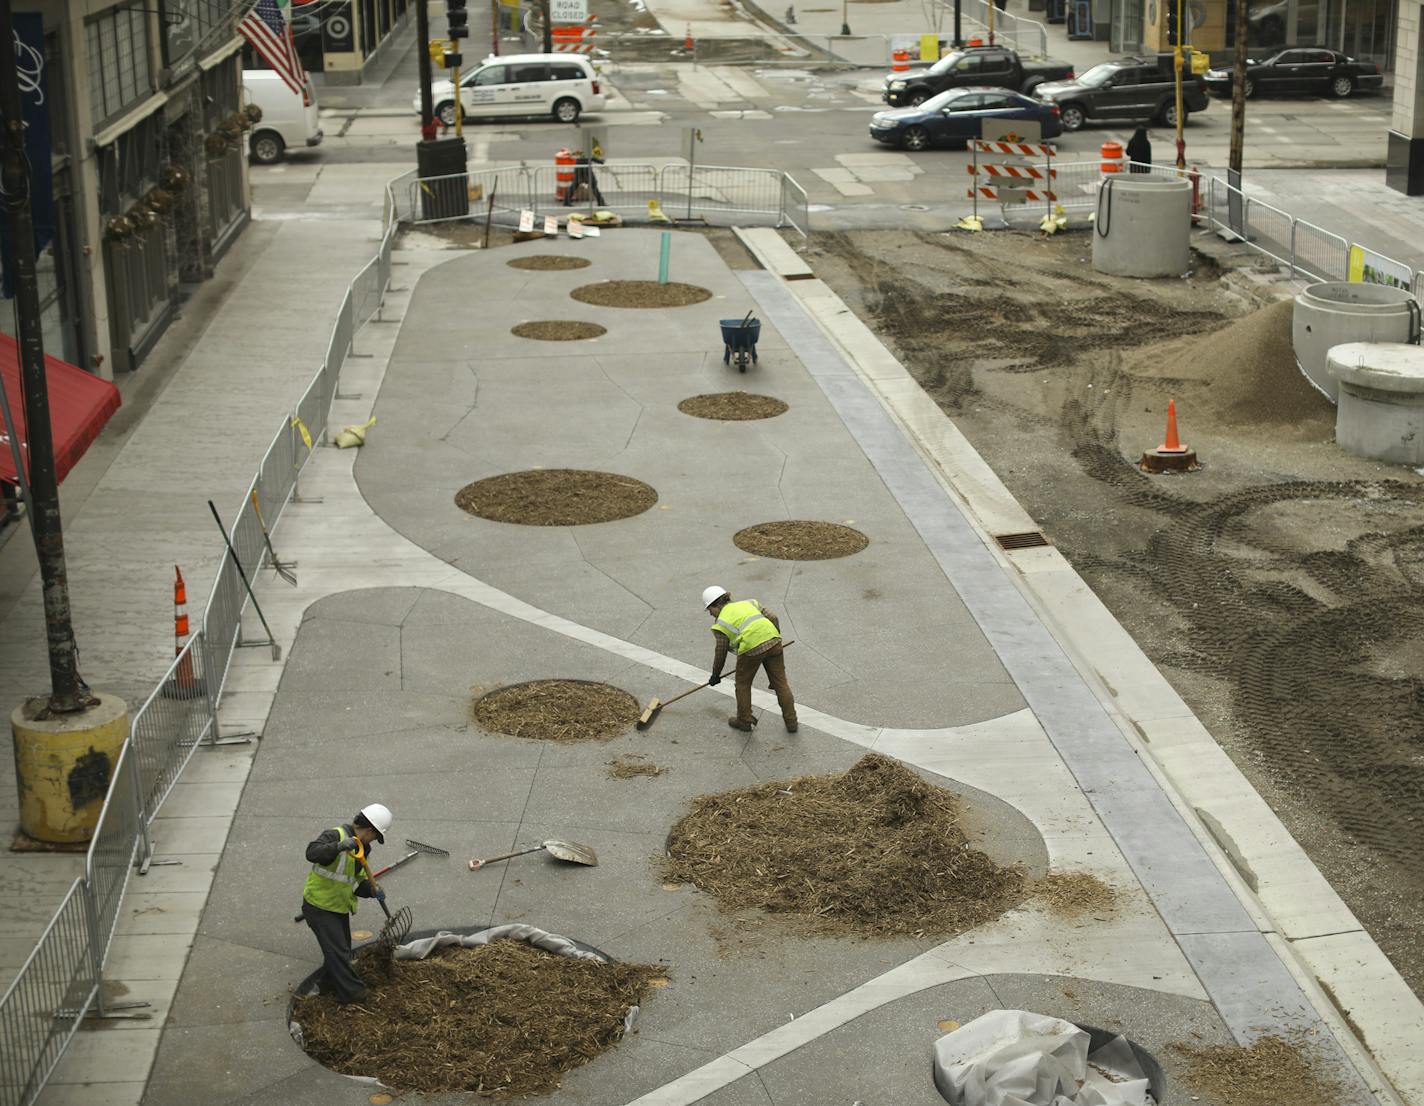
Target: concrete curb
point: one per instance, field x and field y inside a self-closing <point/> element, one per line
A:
<point x="1351" y="983"/>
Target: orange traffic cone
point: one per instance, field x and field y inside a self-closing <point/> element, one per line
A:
<point x="1171" y="455"/>
<point x="185" y="683"/>
<point x="687" y="39"/>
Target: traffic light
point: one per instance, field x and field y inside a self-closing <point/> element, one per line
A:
<point x="453" y="60"/>
<point x="436" y="48"/>
<point x="458" y="18"/>
<point x="1171" y="18"/>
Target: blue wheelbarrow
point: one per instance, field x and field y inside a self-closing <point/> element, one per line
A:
<point x="739" y="339"/>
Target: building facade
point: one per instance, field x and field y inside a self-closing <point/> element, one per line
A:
<point x="148" y="168"/>
<point x="339" y="38"/>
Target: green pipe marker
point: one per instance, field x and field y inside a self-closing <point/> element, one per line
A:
<point x="665" y="258"/>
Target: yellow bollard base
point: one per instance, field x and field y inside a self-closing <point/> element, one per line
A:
<point x="63" y="766"/>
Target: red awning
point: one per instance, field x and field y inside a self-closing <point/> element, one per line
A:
<point x="79" y="406"/>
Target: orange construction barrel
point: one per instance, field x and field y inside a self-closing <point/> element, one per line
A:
<point x="564" y="162"/>
<point x="1112" y="157"/>
<point x="900" y="60"/>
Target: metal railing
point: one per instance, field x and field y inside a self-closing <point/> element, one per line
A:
<point x="712" y="193"/>
<point x="1304" y="248"/>
<point x="1027" y="36"/>
<point x="62" y="980"/>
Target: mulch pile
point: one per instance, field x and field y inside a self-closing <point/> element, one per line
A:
<point x="558" y="710"/>
<point x="799" y="540"/>
<point x="546" y="262"/>
<point x="1075" y="894"/>
<point x="640" y="293"/>
<point x="1271" y="1072"/>
<point x="873" y="851"/>
<point x="732" y="406"/>
<point x="632" y="766"/>
<point x="557" y="330"/>
<point x="501" y="1020"/>
<point x="556" y="497"/>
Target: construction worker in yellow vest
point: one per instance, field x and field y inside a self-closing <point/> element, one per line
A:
<point x="754" y="635"/>
<point x="339" y="876"/>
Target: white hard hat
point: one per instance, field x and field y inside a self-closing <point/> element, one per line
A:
<point x="380" y="819"/>
<point x="712" y="594"/>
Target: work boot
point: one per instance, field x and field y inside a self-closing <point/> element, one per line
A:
<point x="737" y="724"/>
<point x="792" y="727"/>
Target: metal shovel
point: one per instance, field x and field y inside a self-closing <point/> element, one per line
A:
<point x="571" y="852"/>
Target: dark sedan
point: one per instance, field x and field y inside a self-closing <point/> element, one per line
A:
<point x="1302" y="69"/>
<point x="954" y="117"/>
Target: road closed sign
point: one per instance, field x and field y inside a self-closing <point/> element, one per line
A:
<point x="568" y="11"/>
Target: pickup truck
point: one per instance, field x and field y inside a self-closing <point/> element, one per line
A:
<point x="977" y="65"/>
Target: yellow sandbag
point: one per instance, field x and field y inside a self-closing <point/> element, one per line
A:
<point x="354" y="435"/>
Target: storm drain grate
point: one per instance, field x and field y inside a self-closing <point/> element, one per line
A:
<point x="1031" y="540"/>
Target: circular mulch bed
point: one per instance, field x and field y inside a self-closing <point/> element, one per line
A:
<point x="548" y="262"/>
<point x="799" y="540"/>
<point x="558" y="330"/>
<point x="556" y="497"/>
<point x="640" y="293"/>
<point x="558" y="710"/>
<point x="503" y="1020"/>
<point x="874" y="850"/>
<point x="732" y="406"/>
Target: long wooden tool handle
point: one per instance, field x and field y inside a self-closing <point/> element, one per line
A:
<point x="785" y="645"/>
<point x="361" y="856"/>
<point x="506" y="856"/>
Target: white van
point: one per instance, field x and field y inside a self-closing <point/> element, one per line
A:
<point x="561" y="85"/>
<point x="288" y="118"/>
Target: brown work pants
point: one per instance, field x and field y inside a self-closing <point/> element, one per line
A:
<point x="775" y="665"/>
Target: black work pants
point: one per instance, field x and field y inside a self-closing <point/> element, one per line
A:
<point x="333" y="934"/>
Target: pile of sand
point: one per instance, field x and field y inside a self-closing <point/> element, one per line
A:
<point x="1243" y="374"/>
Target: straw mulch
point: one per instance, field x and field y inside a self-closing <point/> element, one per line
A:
<point x="556" y="497"/>
<point x="640" y="293"/>
<point x="1273" y="1071"/>
<point x="501" y="1020"/>
<point x="1075" y="894"/>
<point x="873" y="851"/>
<point x="732" y="406"/>
<point x="632" y="766"/>
<point x="558" y="330"/>
<point x="547" y="262"/>
<point x="558" y="710"/>
<point x="799" y="540"/>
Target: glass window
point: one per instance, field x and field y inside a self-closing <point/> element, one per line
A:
<point x="519" y="74"/>
<point x="996" y="63"/>
<point x="490" y="74"/>
<point x="971" y="63"/>
<point x="967" y="103"/>
<point x="566" y="73"/>
<point x="1322" y="57"/>
<point x="1293" y="57"/>
<point x="1099" y="75"/>
<point x="120" y="73"/>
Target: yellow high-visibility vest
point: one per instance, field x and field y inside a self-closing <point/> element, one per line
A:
<point x="743" y="624"/>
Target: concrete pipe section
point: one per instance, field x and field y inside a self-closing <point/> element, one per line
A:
<point x="1333" y="313"/>
<point x="1381" y="405"/>
<point x="1142" y="227"/>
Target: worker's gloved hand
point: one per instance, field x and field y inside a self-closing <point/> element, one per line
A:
<point x="350" y="845"/>
<point x="380" y="895"/>
<point x="714" y="679"/>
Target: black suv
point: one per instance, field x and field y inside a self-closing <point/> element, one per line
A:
<point x="1135" y="89"/>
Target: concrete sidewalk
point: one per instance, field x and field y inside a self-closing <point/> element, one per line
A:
<point x="380" y="677"/>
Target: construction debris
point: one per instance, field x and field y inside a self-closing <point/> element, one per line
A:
<point x="1075" y="894"/>
<point x="874" y="851"/>
<point x="558" y="710"/>
<point x="1270" y="1072"/>
<point x="632" y="765"/>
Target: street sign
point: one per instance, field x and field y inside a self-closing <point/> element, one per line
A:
<point x="568" y="11"/>
<point x="1012" y="130"/>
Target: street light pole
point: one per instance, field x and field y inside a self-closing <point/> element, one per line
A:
<point x="1177" y="61"/>
<point x="958" y="28"/>
<point x="845" y="17"/>
<point x="68" y="693"/>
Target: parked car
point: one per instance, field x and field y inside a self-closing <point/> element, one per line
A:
<point x="1136" y="89"/>
<point x="976" y="67"/>
<point x="562" y="85"/>
<point x="1302" y="69"/>
<point x="956" y="116"/>
<point x="288" y="118"/>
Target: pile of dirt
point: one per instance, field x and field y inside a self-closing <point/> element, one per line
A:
<point x="558" y="710"/>
<point x="556" y="497"/>
<point x="501" y="1020"/>
<point x="1243" y="374"/>
<point x="1075" y="894"/>
<point x="1271" y="1072"/>
<point x="800" y="540"/>
<point x="557" y="330"/>
<point x="873" y="851"/>
<point x="732" y="406"/>
<point x="548" y="262"/>
<point x="632" y="766"/>
<point x="640" y="293"/>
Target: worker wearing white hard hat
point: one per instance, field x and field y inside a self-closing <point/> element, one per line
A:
<point x="340" y="874"/>
<point x="753" y="633"/>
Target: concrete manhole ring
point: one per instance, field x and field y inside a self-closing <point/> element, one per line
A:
<point x="733" y="406"/>
<point x="565" y="711"/>
<point x="800" y="540"/>
<point x="556" y="497"/>
<point x="548" y="262"/>
<point x="640" y="293"/>
<point x="558" y="330"/>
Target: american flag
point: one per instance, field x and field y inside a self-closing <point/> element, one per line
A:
<point x="271" y="36"/>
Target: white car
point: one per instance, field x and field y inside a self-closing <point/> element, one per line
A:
<point x="562" y="85"/>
